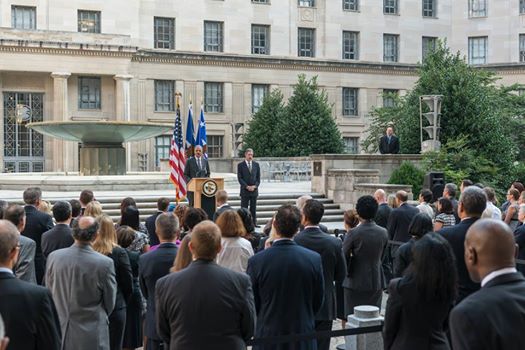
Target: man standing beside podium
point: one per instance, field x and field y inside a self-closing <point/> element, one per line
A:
<point x="196" y="166"/>
<point x="249" y="176"/>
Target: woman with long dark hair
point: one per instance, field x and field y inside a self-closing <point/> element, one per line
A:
<point x="420" y="225"/>
<point x="419" y="303"/>
<point x="131" y="218"/>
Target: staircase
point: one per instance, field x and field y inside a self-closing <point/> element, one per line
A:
<point x="266" y="206"/>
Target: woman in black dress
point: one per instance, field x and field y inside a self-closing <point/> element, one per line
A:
<point x="419" y="303"/>
<point x="133" y="332"/>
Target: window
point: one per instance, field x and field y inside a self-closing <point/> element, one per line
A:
<point x="259" y="92"/>
<point x="351" y="5"/>
<point x="307" y="3"/>
<point x="213" y="97"/>
<point x="306" y="42"/>
<point x="477" y="8"/>
<point x="522" y="47"/>
<point x="88" y="93"/>
<point x="214" y="146"/>
<point x="260" y="39"/>
<point x="213" y="36"/>
<point x="390" y="48"/>
<point x="350" y="101"/>
<point x="428" y="45"/>
<point x="389" y="97"/>
<point x="351" y="145"/>
<point x="390" y="7"/>
<point x="429" y="8"/>
<point x="477" y="50"/>
<point x="162" y="148"/>
<point x="23" y="17"/>
<point x="88" y="21"/>
<point x="164" y="33"/>
<point x="164" y="95"/>
<point x="350" y="45"/>
<point x="522" y="7"/>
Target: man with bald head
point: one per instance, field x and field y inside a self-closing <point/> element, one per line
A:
<point x="400" y="218"/>
<point x="494" y="317"/>
<point x="383" y="211"/>
<point x="471" y="206"/>
<point x="82" y="283"/>
<point x="205" y="305"/>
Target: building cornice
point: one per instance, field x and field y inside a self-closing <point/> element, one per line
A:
<point x="274" y="63"/>
<point x="505" y="68"/>
<point x="66" y="48"/>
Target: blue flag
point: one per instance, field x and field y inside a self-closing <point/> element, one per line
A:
<point x="190" y="140"/>
<point x="201" y="134"/>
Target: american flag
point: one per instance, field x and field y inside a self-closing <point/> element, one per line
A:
<point x="178" y="158"/>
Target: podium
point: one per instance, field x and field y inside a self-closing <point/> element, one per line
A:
<point x="204" y="190"/>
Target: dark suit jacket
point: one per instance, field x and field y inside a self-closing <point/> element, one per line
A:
<point x="205" y="305"/>
<point x="221" y="210"/>
<point x="29" y="313"/>
<point x="58" y="237"/>
<point x="399" y="221"/>
<point x="363" y="249"/>
<point x="288" y="288"/>
<point x="192" y="170"/>
<point x="123" y="276"/>
<point x="25" y="265"/>
<point x="387" y="148"/>
<point x="403" y="257"/>
<point x="455" y="235"/>
<point x="150" y="225"/>
<point x="37" y="223"/>
<point x="382" y="215"/>
<point x="455" y="208"/>
<point x="412" y="322"/>
<point x="334" y="266"/>
<point x="247" y="178"/>
<point x="519" y="236"/>
<point x="152" y="266"/>
<point x="492" y="318"/>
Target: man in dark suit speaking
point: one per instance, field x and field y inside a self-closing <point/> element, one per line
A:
<point x="493" y="317"/>
<point x="389" y="143"/>
<point x="249" y="176"/>
<point x="196" y="166"/>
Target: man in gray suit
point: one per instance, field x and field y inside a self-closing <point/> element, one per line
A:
<point x="25" y="266"/>
<point x="82" y="283"/>
<point x="363" y="249"/>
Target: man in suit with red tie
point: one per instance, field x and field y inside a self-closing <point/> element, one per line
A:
<point x="249" y="176"/>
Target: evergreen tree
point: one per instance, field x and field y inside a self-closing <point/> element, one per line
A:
<point x="308" y="126"/>
<point x="485" y="116"/>
<point x="261" y="135"/>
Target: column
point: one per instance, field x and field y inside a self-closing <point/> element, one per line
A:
<point x="62" y="150"/>
<point x="364" y="316"/>
<point x="123" y="107"/>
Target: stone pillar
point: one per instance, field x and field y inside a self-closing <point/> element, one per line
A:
<point x="63" y="155"/>
<point x="364" y="316"/>
<point x="123" y="107"/>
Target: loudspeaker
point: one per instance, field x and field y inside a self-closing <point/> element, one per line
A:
<point x="435" y="182"/>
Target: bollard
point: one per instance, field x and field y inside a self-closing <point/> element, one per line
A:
<point x="364" y="316"/>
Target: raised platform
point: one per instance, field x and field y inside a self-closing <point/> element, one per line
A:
<point x="59" y="182"/>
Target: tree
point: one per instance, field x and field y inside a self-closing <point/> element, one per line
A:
<point x="308" y="126"/>
<point x="484" y="116"/>
<point x="305" y="126"/>
<point x="261" y="135"/>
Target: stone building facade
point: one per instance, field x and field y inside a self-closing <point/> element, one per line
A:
<point x="124" y="60"/>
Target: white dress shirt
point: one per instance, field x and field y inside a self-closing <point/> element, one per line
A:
<point x="235" y="253"/>
<point x="497" y="273"/>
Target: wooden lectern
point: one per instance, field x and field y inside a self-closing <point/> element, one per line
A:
<point x="204" y="190"/>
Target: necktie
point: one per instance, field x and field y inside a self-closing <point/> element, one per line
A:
<point x="199" y="163"/>
<point x="250" y="166"/>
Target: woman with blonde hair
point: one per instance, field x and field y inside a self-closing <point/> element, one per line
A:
<point x="93" y="209"/>
<point x="183" y="257"/>
<point x="106" y="244"/>
<point x="236" y="250"/>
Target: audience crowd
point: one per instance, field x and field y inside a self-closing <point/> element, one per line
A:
<point x="71" y="278"/>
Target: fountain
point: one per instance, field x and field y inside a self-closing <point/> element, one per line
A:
<point x="101" y="150"/>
